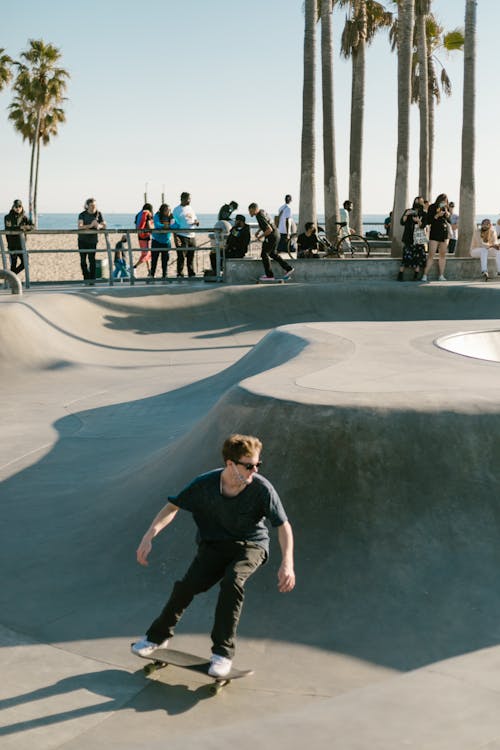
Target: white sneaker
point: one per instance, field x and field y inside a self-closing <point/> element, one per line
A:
<point x="146" y="648"/>
<point x="424" y="277"/>
<point x="442" y="278"/>
<point x="220" y="666"/>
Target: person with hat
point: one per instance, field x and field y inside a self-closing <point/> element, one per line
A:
<point x="16" y="219"/>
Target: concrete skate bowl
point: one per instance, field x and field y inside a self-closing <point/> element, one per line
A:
<point x="376" y="440"/>
<point x="477" y="344"/>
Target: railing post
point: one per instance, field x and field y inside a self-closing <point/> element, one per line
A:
<point x="4" y="255"/>
<point x="26" y="261"/>
<point x="130" y="258"/>
<point x="108" y="250"/>
<point x="218" y="254"/>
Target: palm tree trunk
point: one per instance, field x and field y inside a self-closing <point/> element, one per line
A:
<point x="36" y="138"/>
<point x="357" y="119"/>
<point x="307" y="203"/>
<point x="467" y="180"/>
<point x="405" y="38"/>
<point x="431" y="111"/>
<point x="329" y="159"/>
<point x="35" y="192"/>
<point x="422" y="9"/>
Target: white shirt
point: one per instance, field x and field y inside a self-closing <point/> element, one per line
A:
<point x="285" y="213"/>
<point x="185" y="218"/>
<point x="344" y="216"/>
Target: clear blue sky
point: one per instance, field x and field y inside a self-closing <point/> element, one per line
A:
<point x="206" y="97"/>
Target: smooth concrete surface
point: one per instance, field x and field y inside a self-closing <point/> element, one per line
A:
<point x="384" y="447"/>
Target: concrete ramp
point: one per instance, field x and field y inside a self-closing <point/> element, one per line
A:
<point x="384" y="448"/>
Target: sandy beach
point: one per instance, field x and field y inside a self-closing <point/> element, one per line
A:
<point x="65" y="266"/>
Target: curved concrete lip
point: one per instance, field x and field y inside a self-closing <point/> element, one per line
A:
<point x="476" y="344"/>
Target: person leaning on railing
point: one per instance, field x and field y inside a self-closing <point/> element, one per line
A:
<point x="88" y="220"/>
<point x="16" y="219"/>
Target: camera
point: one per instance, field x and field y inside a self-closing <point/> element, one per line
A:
<point x="412" y="212"/>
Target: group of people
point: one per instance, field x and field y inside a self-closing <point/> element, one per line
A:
<point x="428" y="229"/>
<point x="157" y="238"/>
<point x="433" y="228"/>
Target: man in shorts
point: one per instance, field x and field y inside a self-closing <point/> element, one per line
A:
<point x="229" y="507"/>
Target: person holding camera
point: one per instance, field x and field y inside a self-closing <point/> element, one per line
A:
<point x="438" y="219"/>
<point x="413" y="239"/>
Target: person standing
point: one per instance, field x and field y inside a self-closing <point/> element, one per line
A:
<point x="344" y="212"/>
<point x="185" y="218"/>
<point x="271" y="236"/>
<point x="454" y="229"/>
<point x="88" y="221"/>
<point x="438" y="218"/>
<point x="285" y="225"/>
<point x="229" y="507"/>
<point x="413" y="246"/>
<point x="143" y="224"/>
<point x="161" y="242"/>
<point x="16" y="219"/>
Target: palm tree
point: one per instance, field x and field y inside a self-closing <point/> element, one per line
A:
<point x="35" y="111"/>
<point x="437" y="39"/>
<point x="406" y="18"/>
<point x="467" y="182"/>
<point x="329" y="159"/>
<point x="366" y="18"/>
<point x="307" y="203"/>
<point x="6" y="64"/>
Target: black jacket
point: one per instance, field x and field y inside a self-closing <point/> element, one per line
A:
<point x="12" y="220"/>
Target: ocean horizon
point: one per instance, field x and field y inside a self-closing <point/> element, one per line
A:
<point x="207" y="220"/>
<point x="126" y="220"/>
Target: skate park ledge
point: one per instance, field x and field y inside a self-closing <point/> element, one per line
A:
<point x="248" y="270"/>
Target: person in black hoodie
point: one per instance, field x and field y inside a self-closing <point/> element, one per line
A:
<point x="16" y="219"/>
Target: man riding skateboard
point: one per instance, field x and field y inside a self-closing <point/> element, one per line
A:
<point x="229" y="507"/>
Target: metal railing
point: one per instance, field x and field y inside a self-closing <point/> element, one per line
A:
<point x="216" y="246"/>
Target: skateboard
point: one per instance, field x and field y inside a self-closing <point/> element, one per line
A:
<point x="272" y="281"/>
<point x="162" y="657"/>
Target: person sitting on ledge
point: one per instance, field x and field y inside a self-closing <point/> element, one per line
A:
<point x="307" y="242"/>
<point x="484" y="244"/>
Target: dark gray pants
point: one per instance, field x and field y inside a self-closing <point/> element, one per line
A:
<point x="231" y="563"/>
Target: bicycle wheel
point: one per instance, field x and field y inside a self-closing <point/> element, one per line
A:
<point x="353" y="245"/>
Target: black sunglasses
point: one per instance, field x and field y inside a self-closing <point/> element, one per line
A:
<point x="249" y="467"/>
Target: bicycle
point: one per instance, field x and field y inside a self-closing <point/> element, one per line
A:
<point x="350" y="244"/>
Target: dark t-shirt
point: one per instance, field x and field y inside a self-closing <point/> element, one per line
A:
<point x="305" y="243"/>
<point x="88" y="240"/>
<point x="240" y="518"/>
<point x="265" y="223"/>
